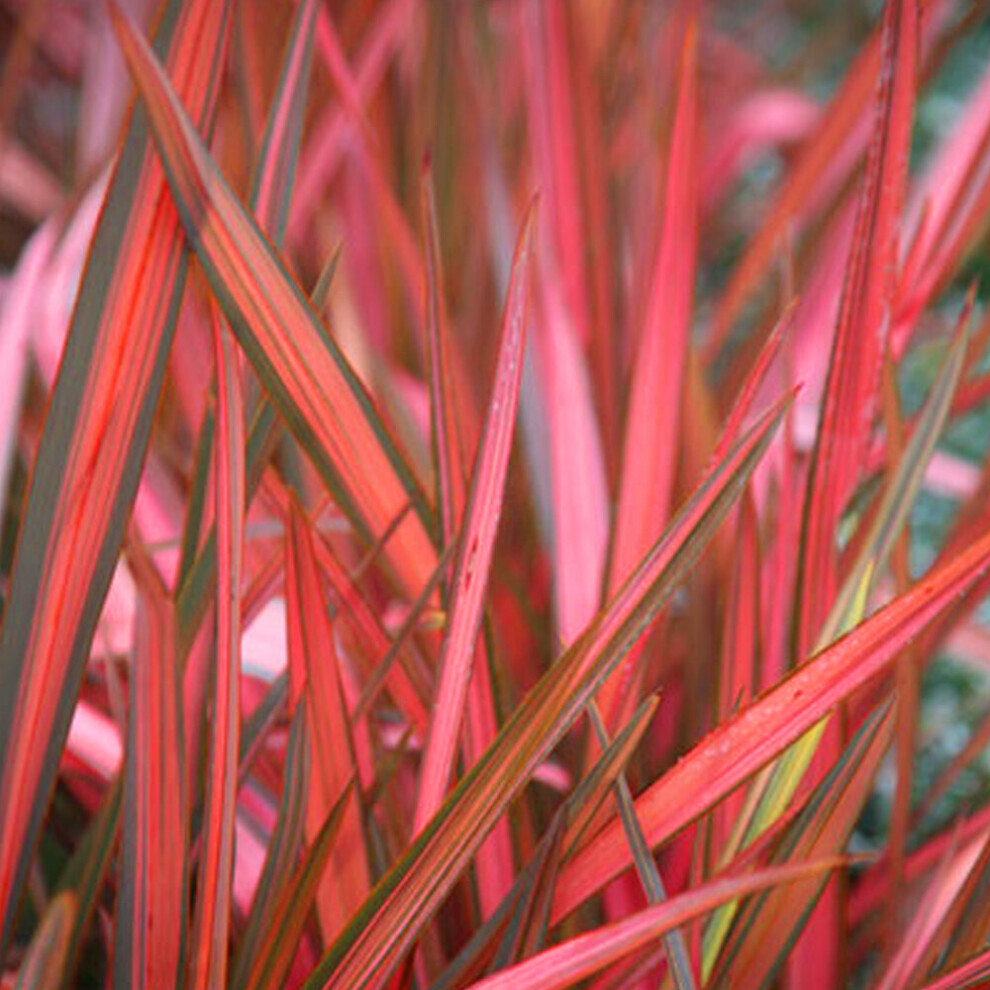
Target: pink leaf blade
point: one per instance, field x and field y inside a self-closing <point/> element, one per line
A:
<point x="473" y="561"/>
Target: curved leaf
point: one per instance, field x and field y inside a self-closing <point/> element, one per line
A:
<point x="92" y="448"/>
<point x="400" y="905"/>
<point x="762" y="730"/>
<point x="306" y="374"/>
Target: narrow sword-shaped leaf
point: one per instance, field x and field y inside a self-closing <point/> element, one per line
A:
<point x="580" y="511"/>
<point x="247" y="70"/>
<point x="566" y="964"/>
<point x="737" y="686"/>
<point x="279" y="155"/>
<point x="646" y="867"/>
<point x="211" y="924"/>
<point x="151" y="903"/>
<point x="588" y="796"/>
<point x="196" y="592"/>
<point x="762" y="730"/>
<point x="549" y="93"/>
<point x="831" y="142"/>
<point x="448" y="453"/>
<point x="324" y="282"/>
<point x="526" y="931"/>
<point x="270" y="201"/>
<point x="295" y="902"/>
<point x="579" y="809"/>
<point x="408" y="682"/>
<point x="308" y="377"/>
<point x="402" y="902"/>
<point x="335" y="59"/>
<point x="891" y="516"/>
<point x="864" y="316"/>
<point x="898" y="498"/>
<point x="764" y="935"/>
<point x="313" y="663"/>
<point x="448" y="428"/>
<point x="599" y="238"/>
<point x="89" y="460"/>
<point x="283" y="848"/>
<point x="849" y="403"/>
<point x="905" y="968"/>
<point x="650" y="445"/>
<point x="477" y="541"/>
<point x="273" y="178"/>
<point x="646" y="484"/>
<point x="941" y="199"/>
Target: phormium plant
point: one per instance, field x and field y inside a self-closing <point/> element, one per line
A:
<point x="495" y="494"/>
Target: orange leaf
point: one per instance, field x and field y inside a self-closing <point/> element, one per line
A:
<point x="650" y="445"/>
<point x="477" y="541"/>
<point x="89" y="460"/>
<point x="313" y="662"/>
<point x="765" y="728"/>
<point x="861" y="334"/>
<point x="398" y="908"/>
<point x="211" y="925"/>
<point x="308" y="377"/>
<point x="151" y="905"/>
<point x="582" y="956"/>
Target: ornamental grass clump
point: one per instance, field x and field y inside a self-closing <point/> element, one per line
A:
<point x="494" y="494"/>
